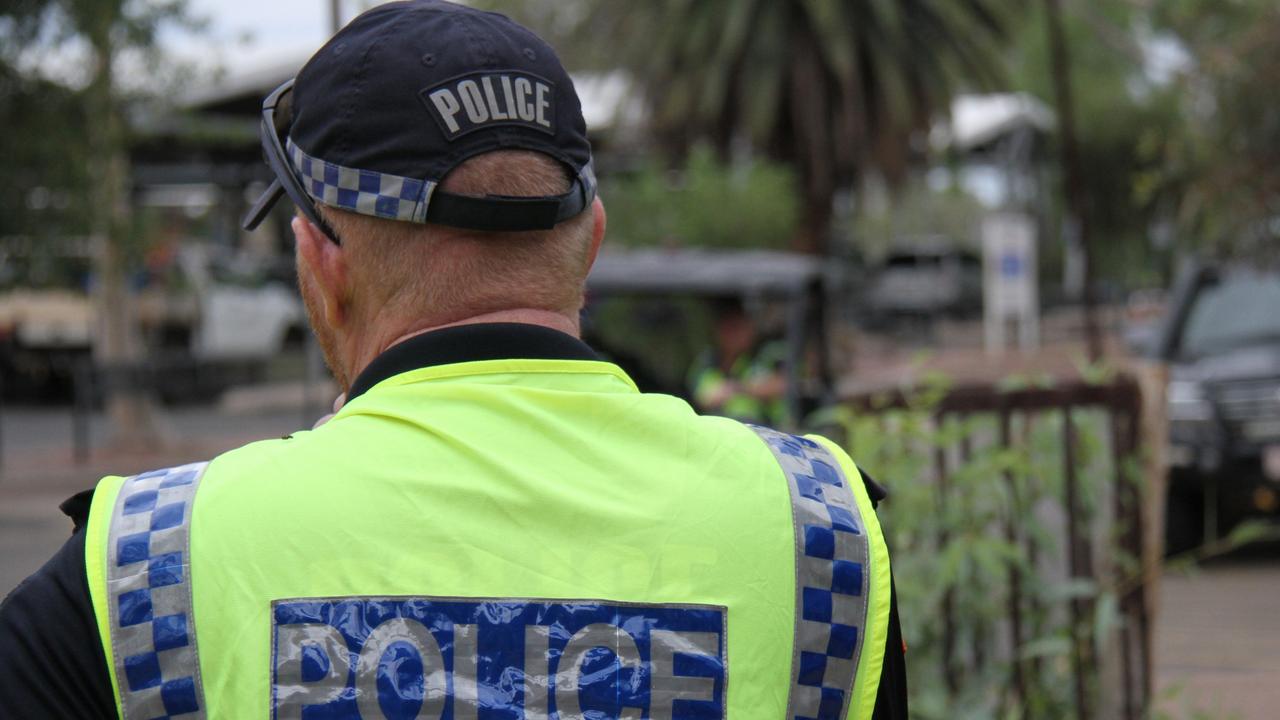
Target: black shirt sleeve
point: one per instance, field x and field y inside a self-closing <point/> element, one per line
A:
<point x="891" y="699"/>
<point x="51" y="660"/>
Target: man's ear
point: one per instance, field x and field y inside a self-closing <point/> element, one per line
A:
<point x="600" y="223"/>
<point x="325" y="264"/>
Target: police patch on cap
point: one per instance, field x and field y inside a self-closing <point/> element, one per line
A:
<point x="487" y="99"/>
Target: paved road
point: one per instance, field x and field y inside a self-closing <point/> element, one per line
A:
<point x="38" y="472"/>
<point x="1218" y="637"/>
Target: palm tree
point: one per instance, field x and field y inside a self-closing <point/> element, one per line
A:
<point x="837" y="88"/>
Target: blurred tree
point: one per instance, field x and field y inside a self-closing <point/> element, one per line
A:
<point x="1177" y="135"/>
<point x="1073" y="177"/>
<point x="1126" y="115"/>
<point x="1224" y="165"/>
<point x="704" y="203"/>
<point x="837" y="89"/>
<point x="43" y="183"/>
<point x="104" y="30"/>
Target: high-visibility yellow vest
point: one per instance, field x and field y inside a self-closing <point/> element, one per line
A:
<point x="509" y="538"/>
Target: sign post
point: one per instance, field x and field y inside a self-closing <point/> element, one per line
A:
<point x="1011" y="292"/>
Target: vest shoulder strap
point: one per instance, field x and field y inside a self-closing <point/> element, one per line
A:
<point x="832" y="556"/>
<point x="153" y="633"/>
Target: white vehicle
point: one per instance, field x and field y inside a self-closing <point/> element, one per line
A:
<point x="208" y="321"/>
<point x="927" y="279"/>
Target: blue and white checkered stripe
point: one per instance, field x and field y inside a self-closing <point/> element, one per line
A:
<point x="831" y="578"/>
<point x="153" y="633"/>
<point x="363" y="191"/>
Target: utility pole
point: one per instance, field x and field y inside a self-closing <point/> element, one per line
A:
<point x="335" y="16"/>
<point x="1076" y="200"/>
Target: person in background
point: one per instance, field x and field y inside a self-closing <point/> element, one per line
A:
<point x="742" y="376"/>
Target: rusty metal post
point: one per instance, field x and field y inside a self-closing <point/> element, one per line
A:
<point x="1035" y="612"/>
<point x="1080" y="664"/>
<point x="1134" y="631"/>
<point x="978" y="639"/>
<point x="1015" y="573"/>
<point x="949" y="668"/>
<point x="1140" y="599"/>
<point x="1124" y="517"/>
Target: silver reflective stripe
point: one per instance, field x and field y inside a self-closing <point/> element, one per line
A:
<point x="831" y="578"/>
<point x="153" y="632"/>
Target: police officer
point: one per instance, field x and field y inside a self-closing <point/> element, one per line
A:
<point x="495" y="524"/>
<point x="740" y="376"/>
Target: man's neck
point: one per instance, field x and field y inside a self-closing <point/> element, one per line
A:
<point x="545" y="318"/>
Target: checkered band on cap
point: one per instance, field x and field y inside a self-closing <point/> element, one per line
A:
<point x="153" y="633"/>
<point x="362" y="191"/>
<point x="831" y="578"/>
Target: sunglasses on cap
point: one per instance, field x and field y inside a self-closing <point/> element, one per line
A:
<point x="277" y="117"/>
<point x="491" y="213"/>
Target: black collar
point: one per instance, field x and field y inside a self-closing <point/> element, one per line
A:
<point x="469" y="343"/>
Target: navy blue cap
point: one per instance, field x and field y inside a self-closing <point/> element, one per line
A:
<point x="408" y="91"/>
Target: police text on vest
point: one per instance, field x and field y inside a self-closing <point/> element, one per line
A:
<point x="473" y="659"/>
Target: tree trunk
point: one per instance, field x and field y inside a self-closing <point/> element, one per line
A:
<point x="813" y="141"/>
<point x="117" y="347"/>
<point x="1077" y="202"/>
<point x="815" y="226"/>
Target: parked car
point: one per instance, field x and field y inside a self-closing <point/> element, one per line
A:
<point x="1222" y="342"/>
<point x="926" y="279"/>
<point x="206" y="319"/>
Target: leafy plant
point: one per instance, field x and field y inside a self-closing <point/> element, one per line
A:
<point x="977" y="533"/>
<point x="703" y="203"/>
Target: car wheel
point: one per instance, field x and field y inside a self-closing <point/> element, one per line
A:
<point x="1183" y="521"/>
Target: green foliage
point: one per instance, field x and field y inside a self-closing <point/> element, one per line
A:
<point x="1124" y="123"/>
<point x="1223" y="162"/>
<point x="59" y="138"/>
<point x="1175" y="158"/>
<point x="915" y="211"/>
<point x="956" y="543"/>
<point x="703" y="204"/>
<point x="44" y="182"/>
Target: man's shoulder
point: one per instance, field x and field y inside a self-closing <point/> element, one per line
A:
<point x="846" y="464"/>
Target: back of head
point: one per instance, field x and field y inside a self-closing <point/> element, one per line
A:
<point x="436" y="275"/>
<point x="409" y="134"/>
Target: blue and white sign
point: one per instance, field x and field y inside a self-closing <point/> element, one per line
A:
<point x="453" y="659"/>
<point x="1011" y="293"/>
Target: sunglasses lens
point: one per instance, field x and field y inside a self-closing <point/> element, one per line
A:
<point x="276" y="121"/>
<point x="282" y="117"/>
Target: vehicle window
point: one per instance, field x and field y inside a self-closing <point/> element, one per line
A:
<point x="921" y="261"/>
<point x="1240" y="310"/>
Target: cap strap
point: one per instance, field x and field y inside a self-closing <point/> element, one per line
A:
<point x="412" y="200"/>
<point x="361" y="191"/>
<point x="504" y="213"/>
